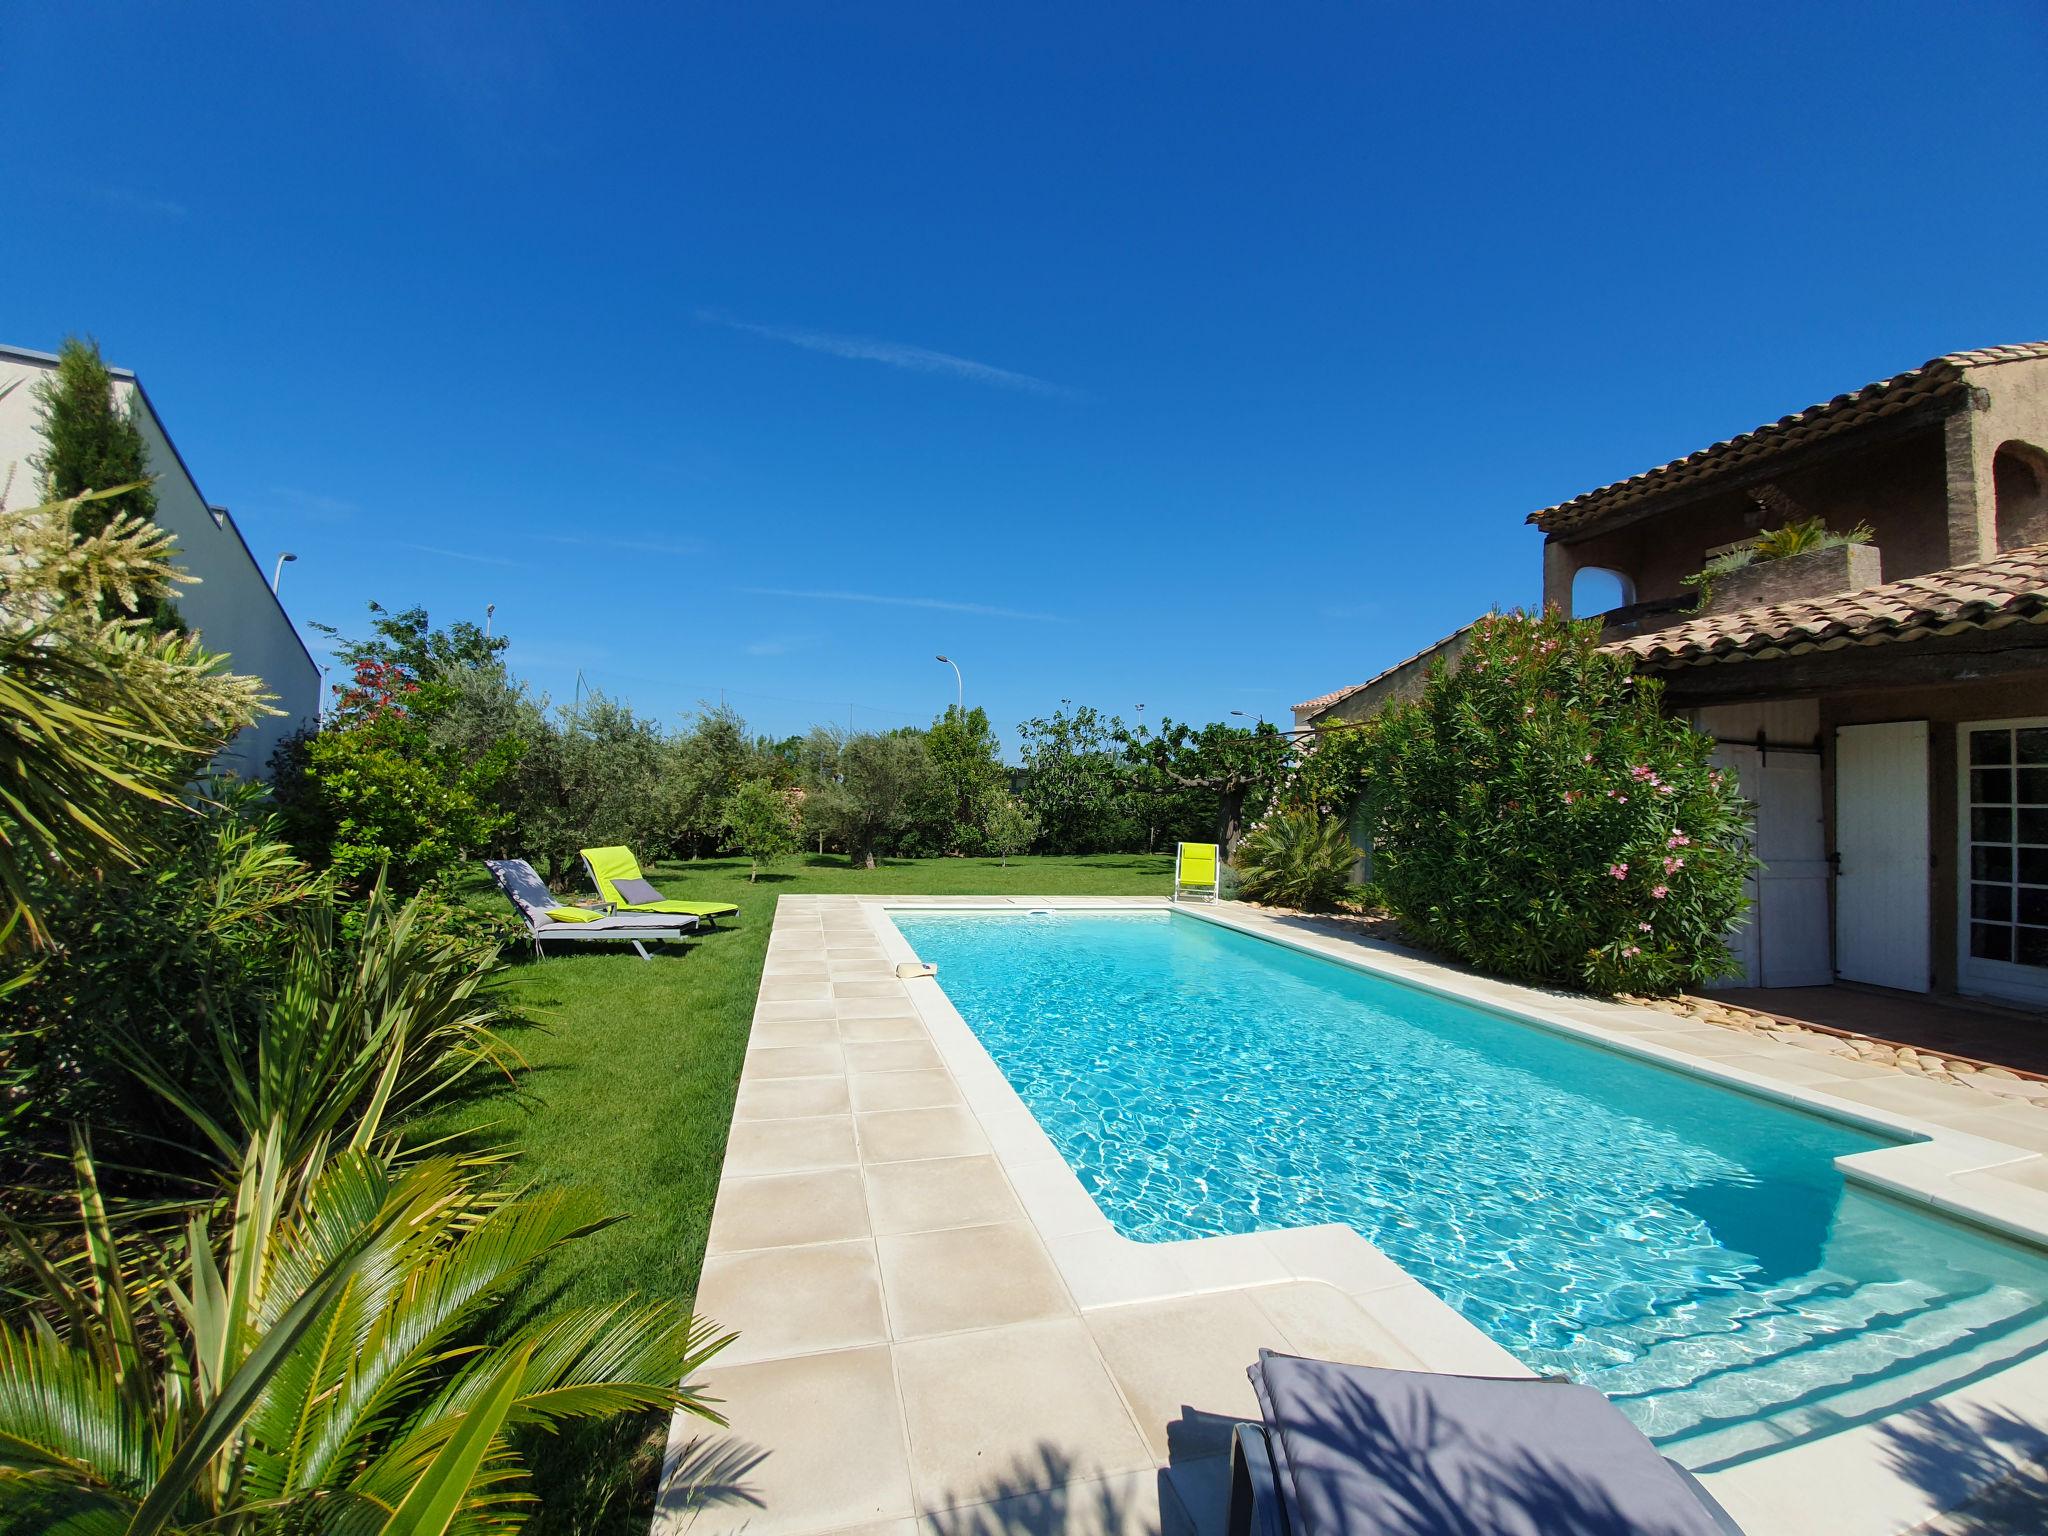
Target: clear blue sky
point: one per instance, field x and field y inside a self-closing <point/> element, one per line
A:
<point x="1202" y="357"/>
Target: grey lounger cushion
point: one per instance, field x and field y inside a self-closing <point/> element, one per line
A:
<point x="637" y="893"/>
<point x="1360" y="1450"/>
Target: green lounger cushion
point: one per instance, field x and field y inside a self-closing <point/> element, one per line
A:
<point x="573" y="914"/>
<point x="619" y="882"/>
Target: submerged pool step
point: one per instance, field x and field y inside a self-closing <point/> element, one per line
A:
<point x="1737" y="1411"/>
<point x="1746" y="1334"/>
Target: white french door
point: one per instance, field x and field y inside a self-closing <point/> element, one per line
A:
<point x="1882" y="930"/>
<point x="2002" y="903"/>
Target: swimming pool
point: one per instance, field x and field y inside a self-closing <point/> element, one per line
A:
<point x="1687" y="1248"/>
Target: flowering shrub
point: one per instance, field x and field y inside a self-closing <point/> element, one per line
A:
<point x="1535" y="813"/>
<point x="1295" y="859"/>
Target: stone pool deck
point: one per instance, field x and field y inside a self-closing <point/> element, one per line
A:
<point x="939" y="1331"/>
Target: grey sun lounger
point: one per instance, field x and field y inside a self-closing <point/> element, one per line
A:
<point x="531" y="898"/>
<point x="1353" y="1450"/>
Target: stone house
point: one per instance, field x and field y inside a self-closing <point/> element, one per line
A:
<point x="1886" y="706"/>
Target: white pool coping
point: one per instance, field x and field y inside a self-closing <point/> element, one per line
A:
<point x="1954" y="1159"/>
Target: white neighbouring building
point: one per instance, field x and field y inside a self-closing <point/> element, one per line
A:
<point x="231" y="605"/>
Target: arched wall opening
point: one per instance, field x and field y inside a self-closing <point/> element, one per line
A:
<point x="2019" y="484"/>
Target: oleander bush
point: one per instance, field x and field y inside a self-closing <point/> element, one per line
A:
<point x="1296" y="858"/>
<point x="1536" y="813"/>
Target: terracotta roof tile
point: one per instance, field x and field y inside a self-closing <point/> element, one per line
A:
<point x="2010" y="588"/>
<point x="1324" y="701"/>
<point x="1933" y="381"/>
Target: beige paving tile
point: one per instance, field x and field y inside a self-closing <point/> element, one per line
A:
<point x="791" y="1098"/>
<point x="794" y="991"/>
<point x="794" y="1301"/>
<point x="1181" y="1365"/>
<point x="794" y="1061"/>
<point x="1336" y="1255"/>
<point x="895" y="1006"/>
<point x="1321" y="1321"/>
<point x="789" y="1013"/>
<point x="1103" y="1268"/>
<point x="771" y="1035"/>
<point x="1124" y="1505"/>
<point x="860" y="970"/>
<point x="937" y="1193"/>
<point x="825" y="1440"/>
<point x="901" y="1026"/>
<point x="891" y="1056"/>
<point x="1009" y="1411"/>
<point x="2019" y="1125"/>
<point x="902" y="1090"/>
<point x="787" y="1210"/>
<point x="795" y="970"/>
<point x="790" y="1146"/>
<point x="968" y="1277"/>
<point x="897" y="1135"/>
<point x="860" y="987"/>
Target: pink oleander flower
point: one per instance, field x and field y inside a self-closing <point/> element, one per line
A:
<point x="1571" y="797"/>
<point x="1660" y="891"/>
<point x="1641" y="772"/>
<point x="1630" y="953"/>
<point x="1673" y="865"/>
<point x="1619" y="871"/>
<point x="1586" y="757"/>
<point x="1666" y="789"/>
<point x="1677" y="840"/>
<point x="1642" y="927"/>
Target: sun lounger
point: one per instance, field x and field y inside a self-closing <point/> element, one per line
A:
<point x="547" y="918"/>
<point x="1197" y="872"/>
<point x="1357" y="1449"/>
<point x="616" y="874"/>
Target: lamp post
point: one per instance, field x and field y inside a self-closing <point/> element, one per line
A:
<point x="959" y="687"/>
<point x="277" y="570"/>
<point x="489" y="609"/>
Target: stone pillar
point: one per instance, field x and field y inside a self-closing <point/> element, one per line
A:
<point x="1972" y="513"/>
<point x="1559" y="567"/>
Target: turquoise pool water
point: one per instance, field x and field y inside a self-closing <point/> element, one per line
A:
<point x="1689" y="1249"/>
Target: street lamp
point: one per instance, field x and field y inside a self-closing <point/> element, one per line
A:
<point x="489" y="609"/>
<point x="277" y="570"/>
<point x="959" y="687"/>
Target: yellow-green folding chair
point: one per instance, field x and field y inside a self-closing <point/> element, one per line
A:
<point x="1197" y="873"/>
<point x="616" y="874"/>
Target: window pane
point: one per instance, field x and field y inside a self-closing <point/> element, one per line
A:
<point x="2031" y="946"/>
<point x="1990" y="747"/>
<point x="1993" y="903"/>
<point x="1988" y="826"/>
<point x="2034" y="826"/>
<point x="1990" y="941"/>
<point x="1989" y="863"/>
<point x="2034" y="905"/>
<point x="2033" y="744"/>
<point x="2033" y="867"/>
<point x="2033" y="786"/>
<point x="1991" y="786"/>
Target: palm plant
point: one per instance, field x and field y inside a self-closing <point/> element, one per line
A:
<point x="101" y="717"/>
<point x="1296" y="859"/>
<point x="358" y="1036"/>
<point x="309" y="1359"/>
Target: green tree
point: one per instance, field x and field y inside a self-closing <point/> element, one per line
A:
<point x="761" y="822"/>
<point x="1536" y="813"/>
<point x="966" y="764"/>
<point x="1231" y="766"/>
<point x="90" y="441"/>
<point x="865" y="808"/>
<point x="1078" y="781"/>
<point x="403" y="661"/>
<point x="705" y="764"/>
<point x="1008" y="826"/>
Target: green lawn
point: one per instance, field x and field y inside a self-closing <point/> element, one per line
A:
<point x="634" y="1065"/>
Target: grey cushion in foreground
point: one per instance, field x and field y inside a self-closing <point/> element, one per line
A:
<point x="1359" y="1451"/>
<point x="636" y="892"/>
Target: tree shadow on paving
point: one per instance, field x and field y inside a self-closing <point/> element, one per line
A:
<point x="710" y="1473"/>
<point x="1039" y="1495"/>
<point x="1986" y="1466"/>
